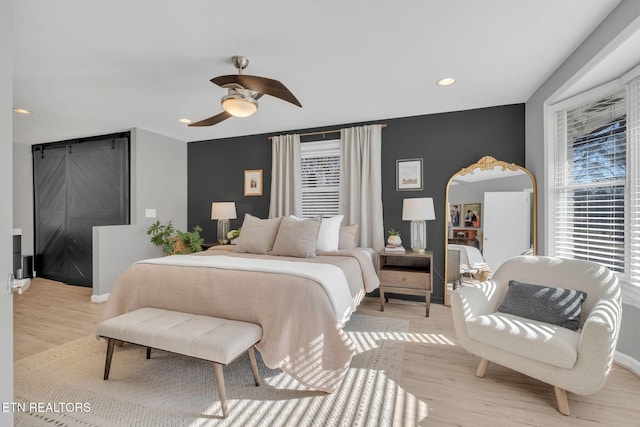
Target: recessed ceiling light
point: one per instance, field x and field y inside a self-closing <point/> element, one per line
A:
<point x="22" y="111"/>
<point x="446" y="81"/>
<point x="185" y="121"/>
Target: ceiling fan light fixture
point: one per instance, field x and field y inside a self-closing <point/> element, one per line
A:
<point x="239" y="105"/>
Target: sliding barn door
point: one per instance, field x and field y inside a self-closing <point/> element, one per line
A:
<point x="77" y="185"/>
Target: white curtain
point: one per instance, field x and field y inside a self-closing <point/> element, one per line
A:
<point x="361" y="183"/>
<point x="286" y="186"/>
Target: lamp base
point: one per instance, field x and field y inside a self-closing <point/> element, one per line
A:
<point x="223" y="229"/>
<point x="418" y="236"/>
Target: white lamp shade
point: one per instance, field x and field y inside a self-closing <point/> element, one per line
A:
<point x="420" y="208"/>
<point x="223" y="210"/>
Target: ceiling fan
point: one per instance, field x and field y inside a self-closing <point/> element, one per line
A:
<point x="244" y="92"/>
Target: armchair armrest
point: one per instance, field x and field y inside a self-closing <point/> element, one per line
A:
<point x="597" y="344"/>
<point x="481" y="298"/>
<point x="600" y="329"/>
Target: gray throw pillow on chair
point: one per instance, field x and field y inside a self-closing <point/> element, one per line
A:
<point x="558" y="306"/>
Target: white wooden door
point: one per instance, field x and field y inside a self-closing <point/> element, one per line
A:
<point x="506" y="226"/>
<point x="6" y="212"/>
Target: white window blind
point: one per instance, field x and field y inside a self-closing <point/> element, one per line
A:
<point x="591" y="181"/>
<point x="320" y="165"/>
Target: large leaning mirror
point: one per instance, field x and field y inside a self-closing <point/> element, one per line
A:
<point x="491" y="217"/>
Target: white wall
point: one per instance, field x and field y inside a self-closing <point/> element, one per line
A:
<point x="6" y="226"/>
<point x="585" y="56"/>
<point x="158" y="181"/>
<point x="23" y="195"/>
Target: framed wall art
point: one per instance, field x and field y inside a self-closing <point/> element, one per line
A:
<point x="455" y="213"/>
<point x="409" y="174"/>
<point x="471" y="215"/>
<point x="253" y="182"/>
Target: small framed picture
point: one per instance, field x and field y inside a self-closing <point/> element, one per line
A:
<point x="253" y="182"/>
<point x="455" y="212"/>
<point x="471" y="215"/>
<point x="409" y="174"/>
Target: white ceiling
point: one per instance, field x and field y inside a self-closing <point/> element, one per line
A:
<point x="89" y="68"/>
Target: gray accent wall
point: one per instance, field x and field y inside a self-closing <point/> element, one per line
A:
<point x="446" y="142"/>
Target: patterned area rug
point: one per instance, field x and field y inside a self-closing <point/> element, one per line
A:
<point x="64" y="387"/>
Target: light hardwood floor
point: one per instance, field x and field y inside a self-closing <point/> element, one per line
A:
<point x="438" y="385"/>
<point x="50" y="314"/>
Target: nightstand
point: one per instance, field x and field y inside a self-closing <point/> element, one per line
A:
<point x="408" y="273"/>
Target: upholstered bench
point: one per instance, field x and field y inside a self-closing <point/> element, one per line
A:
<point x="204" y="337"/>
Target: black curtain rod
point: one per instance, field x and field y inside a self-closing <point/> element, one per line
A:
<point x="324" y="132"/>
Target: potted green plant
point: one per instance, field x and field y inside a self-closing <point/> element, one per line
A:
<point x="394" y="238"/>
<point x="233" y="236"/>
<point x="174" y="241"/>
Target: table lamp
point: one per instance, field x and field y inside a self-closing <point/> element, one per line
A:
<point x="223" y="212"/>
<point x="418" y="211"/>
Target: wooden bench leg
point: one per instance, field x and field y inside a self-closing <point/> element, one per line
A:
<point x="148" y="353"/>
<point x="482" y="368"/>
<point x="254" y="365"/>
<point x="382" y="300"/>
<point x="563" y="402"/>
<point x="107" y="364"/>
<point x="217" y="368"/>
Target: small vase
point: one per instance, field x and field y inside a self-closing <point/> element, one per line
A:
<point x="394" y="241"/>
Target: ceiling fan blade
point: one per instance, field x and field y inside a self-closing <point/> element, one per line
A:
<point x="258" y="84"/>
<point x="213" y="120"/>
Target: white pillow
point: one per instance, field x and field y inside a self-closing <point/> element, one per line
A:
<point x="329" y="234"/>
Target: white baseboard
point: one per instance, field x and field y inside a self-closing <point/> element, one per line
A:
<point x="99" y="298"/>
<point x="628" y="362"/>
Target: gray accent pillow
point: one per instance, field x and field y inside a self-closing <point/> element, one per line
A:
<point x="297" y="237"/>
<point x="258" y="235"/>
<point x="558" y="306"/>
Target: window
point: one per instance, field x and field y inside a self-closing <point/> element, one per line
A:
<point x="590" y="182"/>
<point x="595" y="205"/>
<point x="320" y="166"/>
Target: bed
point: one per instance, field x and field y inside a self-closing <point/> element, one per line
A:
<point x="302" y="325"/>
